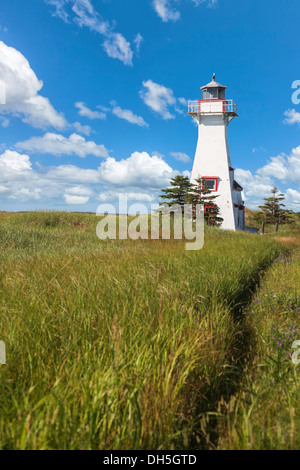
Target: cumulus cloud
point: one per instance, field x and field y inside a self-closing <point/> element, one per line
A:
<point x="131" y="196"/>
<point x="283" y="167"/>
<point x="291" y="117"/>
<point x="83" y="13"/>
<point x="254" y="185"/>
<point x="158" y="98"/>
<point x="139" y="170"/>
<point x="139" y="177"/>
<point x="13" y="163"/>
<point x="279" y="170"/>
<point x="180" y="156"/>
<point x="71" y="174"/>
<point x="293" y="199"/>
<point x="80" y="190"/>
<point x="77" y="200"/>
<point x="129" y="116"/>
<point x="22" y="87"/>
<point x="17" y="175"/>
<point x="86" y="112"/>
<point x="57" y="144"/>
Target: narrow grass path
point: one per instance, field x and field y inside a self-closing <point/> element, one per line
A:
<point x="239" y="358"/>
<point x="264" y="412"/>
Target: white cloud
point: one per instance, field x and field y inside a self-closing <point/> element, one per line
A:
<point x="86" y="112"/>
<point x="258" y="149"/>
<point x="254" y="185"/>
<point x="158" y="98"/>
<point x="86" y="130"/>
<point x="80" y="190"/>
<point x="283" y="168"/>
<point x="57" y="144"/>
<point x="21" y="92"/>
<point x="12" y="162"/>
<point x="180" y="156"/>
<point x="166" y="8"/>
<point x="138" y="170"/>
<point x="59" y="9"/>
<point x="77" y="200"/>
<point x="292" y="117"/>
<point x="4" y="122"/>
<point x="83" y="13"/>
<point x="210" y="3"/>
<point x="140" y="177"/>
<point x="158" y="154"/>
<point x="17" y="175"/>
<point x="129" y="116"/>
<point x="105" y="109"/>
<point x="183" y="101"/>
<point x="280" y="170"/>
<point x="131" y="196"/>
<point x="117" y="47"/>
<point x="138" y="40"/>
<point x="71" y="174"/>
<point x="276" y="168"/>
<point x="293" y="199"/>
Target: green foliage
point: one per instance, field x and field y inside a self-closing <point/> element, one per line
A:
<point x="272" y="209"/>
<point x="183" y="192"/>
<point x="200" y="194"/>
<point x="256" y="218"/>
<point x="177" y="193"/>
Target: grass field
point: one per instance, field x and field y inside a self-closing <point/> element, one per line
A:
<point x="141" y="344"/>
<point x="264" y="414"/>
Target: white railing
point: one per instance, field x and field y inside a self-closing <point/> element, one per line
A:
<point x="212" y="106"/>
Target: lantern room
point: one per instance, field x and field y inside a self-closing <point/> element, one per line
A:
<point x="213" y="102"/>
<point x="213" y="90"/>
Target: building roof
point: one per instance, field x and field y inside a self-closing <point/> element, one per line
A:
<point x="213" y="84"/>
<point x="237" y="186"/>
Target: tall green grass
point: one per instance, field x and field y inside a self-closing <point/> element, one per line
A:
<point x="265" y="413"/>
<point x="117" y="344"/>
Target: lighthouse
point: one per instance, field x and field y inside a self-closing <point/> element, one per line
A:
<point x="212" y="163"/>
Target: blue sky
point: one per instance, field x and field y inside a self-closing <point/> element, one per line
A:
<point x="96" y="91"/>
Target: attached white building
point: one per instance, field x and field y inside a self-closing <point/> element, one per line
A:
<point x="213" y="113"/>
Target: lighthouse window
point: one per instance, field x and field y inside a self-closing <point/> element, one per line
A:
<point x="211" y="184"/>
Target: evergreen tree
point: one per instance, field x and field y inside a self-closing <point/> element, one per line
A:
<point x="177" y="193"/>
<point x="200" y="194"/>
<point x="273" y="209"/>
<point x="256" y="218"/>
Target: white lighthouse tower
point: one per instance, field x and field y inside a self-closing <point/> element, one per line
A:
<point x="212" y="162"/>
